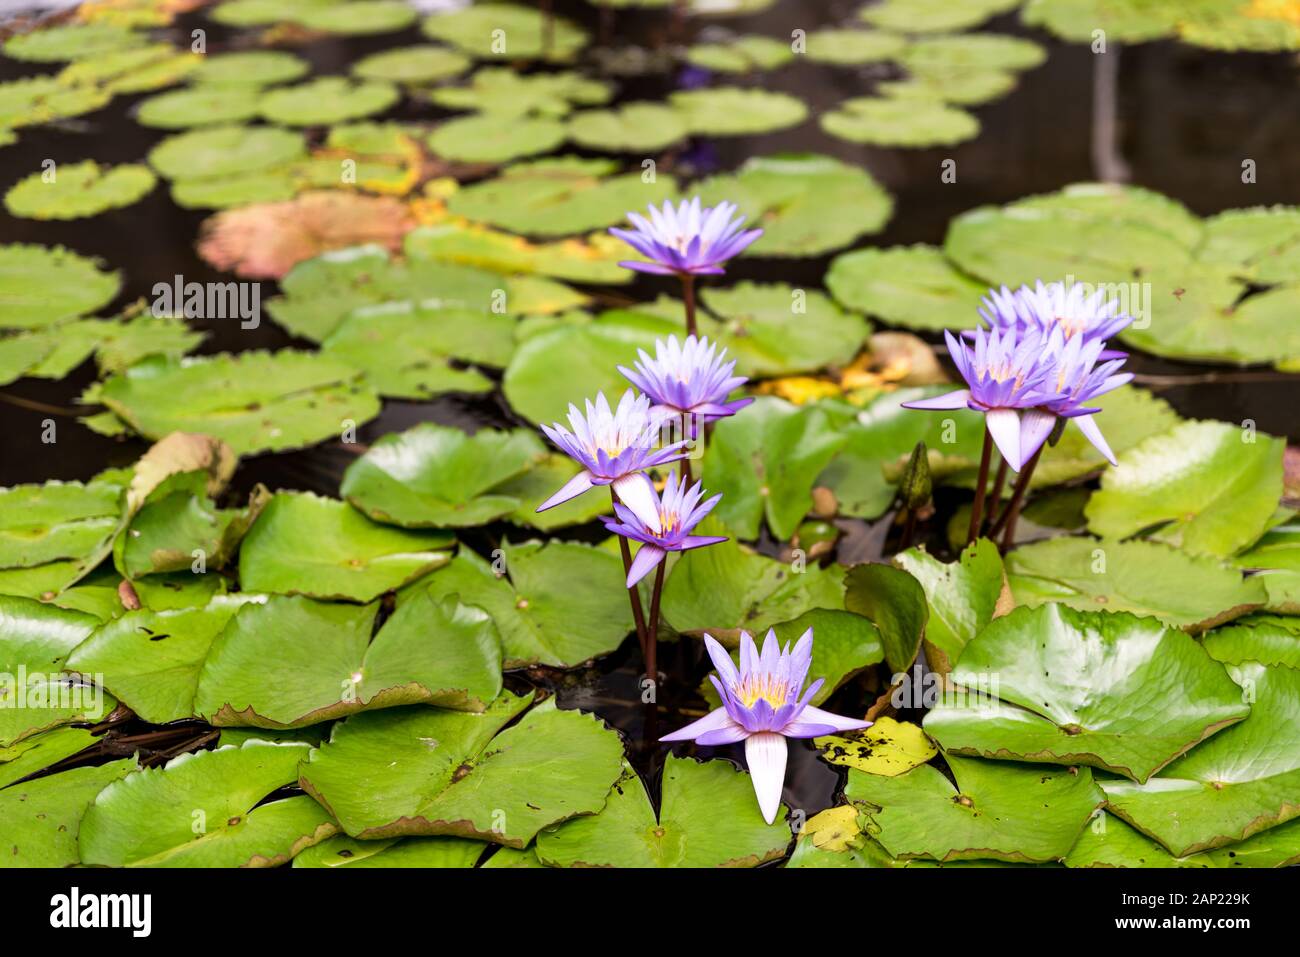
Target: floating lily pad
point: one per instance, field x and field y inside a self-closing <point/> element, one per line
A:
<point x="204" y="810"/>
<point x="1240" y="782"/>
<point x="344" y="851"/>
<point x="741" y="55"/>
<point x="303" y="544"/>
<point x="907" y="121"/>
<point x="963" y="597"/>
<point x="180" y="529"/>
<point x="933" y="16"/>
<point x="538" y="484"/>
<point x="895" y="602"/>
<point x="988" y="51"/>
<point x="737" y="111"/>
<point x="853" y="47"/>
<point x="807" y="204"/>
<point x="707" y="818"/>
<point x="557" y="604"/>
<point x="634" y="127"/>
<point x="44" y="523"/>
<point x="200" y="106"/>
<point x="1263" y="641"/>
<point x="593" y="260"/>
<point x="957" y="86"/>
<point x="910" y="286"/>
<point x="503" y="31"/>
<point x="764" y="463"/>
<point x="431" y="772"/>
<point x="1109" y="842"/>
<point x="434" y="475"/>
<point x="327" y="100"/>
<point x="72" y="41"/>
<point x="256" y="68"/>
<point x="558" y="197"/>
<point x="226" y="151"/>
<point x="39" y="819"/>
<point x="43" y="285"/>
<point x="114" y="343"/>
<point x="421" y="64"/>
<point x="998" y="810"/>
<point x="725" y="588"/>
<point x="495" y="137"/>
<point x="78" y="190"/>
<point x="151" y="660"/>
<point x="888" y="748"/>
<point x="357" y="17"/>
<point x="40" y="99"/>
<point x="1207" y="487"/>
<point x="1151" y="692"/>
<point x="1191" y="592"/>
<point x="503" y="92"/>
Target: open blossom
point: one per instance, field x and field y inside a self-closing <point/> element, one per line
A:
<point x="1003" y="370"/>
<point x="1048" y="306"/>
<point x="686" y="240"/>
<point x="690" y="378"/>
<point x="1076" y="380"/>
<point x="762" y="706"/>
<point x="678" y="511"/>
<point x="613" y="447"/>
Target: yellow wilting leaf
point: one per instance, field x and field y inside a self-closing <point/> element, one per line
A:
<point x="800" y="389"/>
<point x="834" y="829"/>
<point x="1288" y="10"/>
<point x="887" y="748"/>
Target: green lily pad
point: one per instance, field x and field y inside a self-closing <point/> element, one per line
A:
<point x="956" y="86"/>
<point x="933" y="16"/>
<point x="744" y="54"/>
<point x="326" y="665"/>
<point x="258" y="68"/>
<point x="854" y="47"/>
<point x="725" y="588"/>
<point x="505" y="31"/>
<point x="303" y="544"/>
<point x="1109" y="842"/>
<point x="591" y="353"/>
<point x="22" y="353"/>
<point x="44" y="523"/>
<point x="151" y="659"/>
<point x="910" y="286"/>
<point x="538" y="484"/>
<point x="985" y="51"/>
<point x="430" y="772"/>
<point x="895" y="602"/>
<point x="1206" y="487"/>
<point x="79" y="190"/>
<point x="39" y="819"/>
<point x="503" y="92"/>
<point x="1276" y="557"/>
<point x="1262" y="641"/>
<point x="963" y="597"/>
<point x="425" y="63"/>
<point x="226" y="151"/>
<point x="41" y="99"/>
<point x="1240" y="782"/>
<point x="737" y="111"/>
<point x="558" y="197"/>
<point x="178" y="526"/>
<point x="773" y="329"/>
<point x="43" y="285"/>
<point x="1192" y="592"/>
<point x="495" y="137"/>
<point x="558" y="604"/>
<point x="72" y="41"/>
<point x="998" y="810"/>
<point x="633" y="127"/>
<point x="887" y="748"/>
<point x="434" y="475"/>
<point x="1150" y="693"/>
<point x="200" y="106"/>
<point x="255" y="401"/>
<point x="594" y="260"/>
<point x="707" y="818"/>
<point x="357" y="17"/>
<point x="114" y="343"/>
<point x="344" y="851"/>
<point x="35" y="639"/>
<point x="764" y="463"/>
<point x="204" y="810"/>
<point x="41" y="751"/>
<point x="327" y="100"/>
<point x="807" y="204"/>
<point x="907" y="121"/>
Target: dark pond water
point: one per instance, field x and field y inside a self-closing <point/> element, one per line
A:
<point x="1186" y="120"/>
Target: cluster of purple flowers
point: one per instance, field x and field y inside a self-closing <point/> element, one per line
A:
<point x="1043" y="357"/>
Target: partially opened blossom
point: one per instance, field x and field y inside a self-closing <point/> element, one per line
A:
<point x="679" y="510"/>
<point x="690" y="378"/>
<point x="762" y="706"/>
<point x="613" y="447"/>
<point x="1056" y="305"/>
<point x="1076" y="380"/>
<point x="1002" y="369"/>
<point x="687" y="240"/>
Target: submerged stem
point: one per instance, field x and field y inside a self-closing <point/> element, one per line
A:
<point x="981" y="487"/>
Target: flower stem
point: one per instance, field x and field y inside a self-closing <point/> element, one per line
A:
<point x="652" y="637"/>
<point x="687" y="471"/>
<point x="634" y="595"/>
<point x="999" y="482"/>
<point x="688" y="297"/>
<point x="981" y="487"/>
<point x="1007" y="520"/>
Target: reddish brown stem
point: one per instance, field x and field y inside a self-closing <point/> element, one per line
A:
<point x="634" y="595"/>
<point x="1012" y="513"/>
<point x="688" y="297"/>
<point x="981" y="487"/>
<point x="999" y="481"/>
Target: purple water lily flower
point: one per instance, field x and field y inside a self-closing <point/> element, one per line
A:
<point x="679" y="511"/>
<point x="1056" y="305"/>
<point x="613" y="447"/>
<point x="688" y="240"/>
<point x="1002" y="370"/>
<point x="762" y="706"/>
<point x="689" y="378"/>
<point x="1077" y="380"/>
